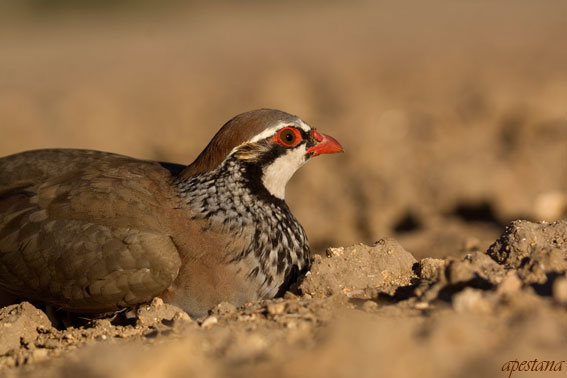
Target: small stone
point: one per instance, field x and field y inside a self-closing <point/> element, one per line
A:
<point x="471" y="300"/>
<point x="223" y="308"/>
<point x="19" y="323"/>
<point x="103" y="323"/>
<point x="332" y="252"/>
<point x="431" y="269"/>
<point x="181" y="316"/>
<point x="382" y="265"/>
<point x="291" y="324"/>
<point x="275" y="308"/>
<point x="560" y="290"/>
<point x="155" y="312"/>
<point x="247" y="317"/>
<point x="156" y="302"/>
<point x="421" y="305"/>
<point x="526" y="244"/>
<point x="209" y="322"/>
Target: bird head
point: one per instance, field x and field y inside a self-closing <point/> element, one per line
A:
<point x="271" y="144"/>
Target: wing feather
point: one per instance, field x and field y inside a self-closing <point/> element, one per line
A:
<point x="86" y="231"/>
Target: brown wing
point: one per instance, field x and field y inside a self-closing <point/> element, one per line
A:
<point x="85" y="230"/>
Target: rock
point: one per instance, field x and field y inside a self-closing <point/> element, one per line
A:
<point x="277" y="308"/>
<point x="352" y="270"/>
<point x="222" y="309"/>
<point x="422" y="305"/>
<point x="209" y="322"/>
<point x="157" y="311"/>
<point x="442" y="279"/>
<point x="544" y="242"/>
<point x="471" y="300"/>
<point x="534" y="249"/>
<point x="21" y="324"/>
<point x="432" y="269"/>
<point x="181" y="317"/>
<point x="472" y="266"/>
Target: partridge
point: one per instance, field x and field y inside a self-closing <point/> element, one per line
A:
<point x="94" y="232"/>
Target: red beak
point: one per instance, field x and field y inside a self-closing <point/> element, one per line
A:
<point x="327" y="145"/>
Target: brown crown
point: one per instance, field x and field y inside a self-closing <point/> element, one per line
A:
<point x="238" y="130"/>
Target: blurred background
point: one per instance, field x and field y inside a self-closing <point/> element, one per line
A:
<point x="453" y="114"/>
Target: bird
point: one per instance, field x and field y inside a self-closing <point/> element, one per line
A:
<point x="94" y="232"/>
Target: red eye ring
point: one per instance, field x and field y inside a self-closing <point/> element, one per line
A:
<point x="288" y="137"/>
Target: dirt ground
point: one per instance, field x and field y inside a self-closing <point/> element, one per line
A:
<point x="362" y="311"/>
<point x="454" y="124"/>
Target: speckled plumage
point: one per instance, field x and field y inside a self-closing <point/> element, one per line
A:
<point x="275" y="239"/>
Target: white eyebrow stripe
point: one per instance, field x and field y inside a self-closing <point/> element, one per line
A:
<point x="268" y="132"/>
<point x="272" y="130"/>
<point x="305" y="127"/>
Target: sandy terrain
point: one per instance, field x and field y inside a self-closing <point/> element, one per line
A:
<point x="362" y="311"/>
<point x="454" y="123"/>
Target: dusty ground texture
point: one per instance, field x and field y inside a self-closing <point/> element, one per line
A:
<point x="362" y="311"/>
<point x="454" y="123"/>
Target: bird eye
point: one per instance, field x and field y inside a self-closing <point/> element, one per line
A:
<point x="288" y="137"/>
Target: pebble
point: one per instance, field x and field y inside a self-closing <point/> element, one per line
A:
<point x="471" y="300"/>
<point x="181" y="317"/>
<point x="275" y="308"/>
<point x="431" y="269"/>
<point x="209" y="322"/>
<point x="332" y="252"/>
<point x="224" y="308"/>
<point x="421" y="305"/>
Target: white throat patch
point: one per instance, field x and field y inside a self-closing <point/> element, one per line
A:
<point x="276" y="175"/>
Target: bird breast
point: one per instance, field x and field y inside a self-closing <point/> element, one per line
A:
<point x="274" y="241"/>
